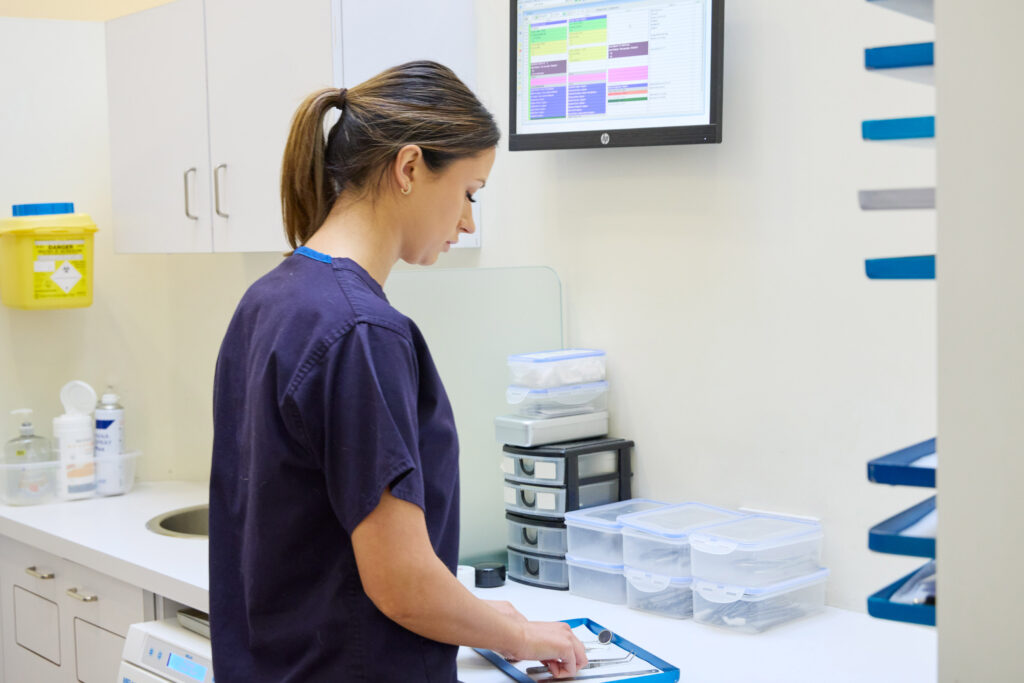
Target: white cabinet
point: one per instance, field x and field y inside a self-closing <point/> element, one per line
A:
<point x="201" y="98"/>
<point x="63" y="622"/>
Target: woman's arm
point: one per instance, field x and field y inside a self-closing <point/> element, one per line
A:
<point x="406" y="580"/>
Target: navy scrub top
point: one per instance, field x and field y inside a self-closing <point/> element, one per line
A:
<point x="324" y="397"/>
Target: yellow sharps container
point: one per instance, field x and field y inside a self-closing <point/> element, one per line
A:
<point x="46" y="257"/>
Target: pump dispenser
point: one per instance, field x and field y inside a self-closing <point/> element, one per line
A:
<point x="26" y="481"/>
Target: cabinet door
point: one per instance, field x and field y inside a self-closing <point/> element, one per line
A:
<point x="31" y="615"/>
<point x="263" y="59"/>
<point x="159" y="149"/>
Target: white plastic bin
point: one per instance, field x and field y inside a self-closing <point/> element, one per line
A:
<point x="550" y="470"/>
<point x="596" y="534"/>
<point x="670" y="596"/>
<point x="577" y="399"/>
<point x="549" y="501"/>
<point x="758" y="550"/>
<point x="535" y="536"/>
<point x="537" y="570"/>
<point x="556" y="368"/>
<point x="753" y="609"/>
<point x="29" y="483"/>
<point x="658" y="541"/>
<point x="596" y="580"/>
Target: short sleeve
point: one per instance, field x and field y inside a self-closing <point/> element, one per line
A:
<point x="358" y="410"/>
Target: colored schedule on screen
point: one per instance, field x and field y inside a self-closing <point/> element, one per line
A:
<point x="606" y="65"/>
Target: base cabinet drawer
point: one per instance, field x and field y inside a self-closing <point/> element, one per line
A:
<point x="97" y="653"/>
<point x="37" y="625"/>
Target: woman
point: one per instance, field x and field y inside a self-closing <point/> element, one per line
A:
<point x="334" y="496"/>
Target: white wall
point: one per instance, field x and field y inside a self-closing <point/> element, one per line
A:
<point x="981" y="340"/>
<point x="751" y="360"/>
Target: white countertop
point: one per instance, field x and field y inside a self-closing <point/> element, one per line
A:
<point x="837" y="646"/>
<point x="110" y="536"/>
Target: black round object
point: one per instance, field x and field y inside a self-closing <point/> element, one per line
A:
<point x="490" y="575"/>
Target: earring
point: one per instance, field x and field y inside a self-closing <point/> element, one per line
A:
<point x="407" y="189"/>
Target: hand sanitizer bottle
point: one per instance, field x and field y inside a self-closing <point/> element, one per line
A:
<point x="28" y="481"/>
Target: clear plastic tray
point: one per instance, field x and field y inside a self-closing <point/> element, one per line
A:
<point x="665" y="595"/>
<point x="577" y="399"/>
<point x="752" y="610"/>
<point x="556" y="368"/>
<point x="658" y="541"/>
<point x="757" y="550"/>
<point x="29" y="484"/>
<point x="596" y="580"/>
<point x="115" y="474"/>
<point x="596" y="534"/>
<point x="550" y="471"/>
<point x="536" y="570"/>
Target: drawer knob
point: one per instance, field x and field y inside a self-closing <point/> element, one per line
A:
<point x="83" y="597"/>
<point x="44" y="575"/>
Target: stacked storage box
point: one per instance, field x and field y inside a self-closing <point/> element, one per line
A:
<point x="542" y="485"/>
<point x="656" y="555"/>
<point x="757" y="572"/>
<point x="594" y="551"/>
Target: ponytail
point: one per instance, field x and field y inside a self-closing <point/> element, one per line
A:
<point x="418" y="103"/>
<point x="307" y="192"/>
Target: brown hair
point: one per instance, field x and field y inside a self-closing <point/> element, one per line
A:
<point x="418" y="103"/>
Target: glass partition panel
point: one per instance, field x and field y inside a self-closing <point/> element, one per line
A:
<point x="473" y="319"/>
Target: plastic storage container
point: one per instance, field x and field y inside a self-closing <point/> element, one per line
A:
<point x="596" y="534"/>
<point x="665" y="595"/>
<point x="596" y="580"/>
<point x="546" y="537"/>
<point x="754" y="609"/>
<point x="758" y="550"/>
<point x="46" y="257"/>
<point x="546" y="501"/>
<point x="556" y="368"/>
<point x="550" y="470"/>
<point x="558" y="401"/>
<point x="537" y="570"/>
<point x="29" y="483"/>
<point x="658" y="541"/>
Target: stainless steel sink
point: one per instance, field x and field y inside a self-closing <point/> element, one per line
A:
<point x="191" y="522"/>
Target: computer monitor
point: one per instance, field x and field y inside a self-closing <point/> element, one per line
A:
<point x="615" y="73"/>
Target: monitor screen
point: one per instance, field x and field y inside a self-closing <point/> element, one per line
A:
<point x="615" y="73"/>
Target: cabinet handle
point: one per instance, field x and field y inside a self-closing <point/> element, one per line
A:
<point x="44" y="575"/>
<point x="188" y="208"/>
<point x="83" y="597"/>
<point x="216" y="189"/>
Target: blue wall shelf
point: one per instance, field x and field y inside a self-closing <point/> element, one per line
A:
<point x="899" y="468"/>
<point x="888" y="536"/>
<point x="911" y="128"/>
<point x="901" y="268"/>
<point x="880" y="606"/>
<point x="899" y="56"/>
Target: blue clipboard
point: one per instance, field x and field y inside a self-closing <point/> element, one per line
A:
<point x="669" y="673"/>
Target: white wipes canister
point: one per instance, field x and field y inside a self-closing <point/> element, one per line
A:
<point x="74" y="443"/>
<point x="110" y="479"/>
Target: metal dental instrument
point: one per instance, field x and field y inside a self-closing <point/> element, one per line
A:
<point x="620" y="673"/>
<point x="593" y="665"/>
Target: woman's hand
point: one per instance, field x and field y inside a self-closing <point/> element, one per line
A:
<point x="553" y="644"/>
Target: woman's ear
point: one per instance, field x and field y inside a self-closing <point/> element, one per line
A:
<point x="405" y="166"/>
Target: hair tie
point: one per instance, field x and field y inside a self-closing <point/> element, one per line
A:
<point x="339" y="100"/>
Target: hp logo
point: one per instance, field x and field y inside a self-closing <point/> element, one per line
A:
<point x="605" y="138"/>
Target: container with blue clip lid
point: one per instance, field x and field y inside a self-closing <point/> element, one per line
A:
<point x="559" y="368"/>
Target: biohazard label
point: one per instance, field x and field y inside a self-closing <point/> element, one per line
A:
<point x="60" y="268"/>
